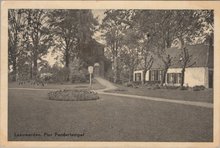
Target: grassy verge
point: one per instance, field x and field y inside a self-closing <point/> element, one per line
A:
<point x="95" y="85"/>
<point x="188" y="95"/>
<point x="107" y="119"/>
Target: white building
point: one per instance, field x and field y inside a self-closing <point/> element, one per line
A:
<point x="200" y="73"/>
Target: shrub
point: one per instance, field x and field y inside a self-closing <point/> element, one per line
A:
<point x="128" y="84"/>
<point x="156" y="87"/>
<point x="60" y="75"/>
<point x="151" y="83"/>
<point x="73" y="95"/>
<point x="183" y="88"/>
<point x="171" y="87"/>
<point x="78" y="77"/>
<point x="198" y="88"/>
<point x="137" y="82"/>
<point x="109" y="75"/>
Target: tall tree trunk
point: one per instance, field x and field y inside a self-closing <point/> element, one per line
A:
<point x="183" y="75"/>
<point x="145" y="70"/>
<point x="144" y="74"/>
<point x="31" y="71"/>
<point x="67" y="61"/>
<point x="131" y="73"/>
<point x="115" y="62"/>
<point x="163" y="81"/>
<point x="115" y="70"/>
<point x="14" y="68"/>
<point x="14" y="60"/>
<point x="35" y="68"/>
<point x="168" y="41"/>
<point x="129" y="76"/>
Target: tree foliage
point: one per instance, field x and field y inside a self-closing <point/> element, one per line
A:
<point x="15" y="27"/>
<point x="73" y="29"/>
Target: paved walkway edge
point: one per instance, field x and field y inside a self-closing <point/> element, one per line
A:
<point x="193" y="103"/>
<point x="110" y="86"/>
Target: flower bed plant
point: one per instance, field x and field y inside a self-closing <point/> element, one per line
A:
<point x="73" y="95"/>
<point x="198" y="88"/>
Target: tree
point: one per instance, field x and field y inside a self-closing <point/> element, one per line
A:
<point x="37" y="37"/>
<point x="186" y="61"/>
<point x="15" y="27"/>
<point x="64" y="25"/>
<point x="146" y="52"/>
<point x="73" y="29"/>
<point x="113" y="26"/>
<point x="129" y="60"/>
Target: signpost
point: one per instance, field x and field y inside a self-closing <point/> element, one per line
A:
<point x="90" y="69"/>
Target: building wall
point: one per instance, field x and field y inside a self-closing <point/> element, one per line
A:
<point x="147" y="76"/>
<point x="196" y="76"/>
<point x="174" y="70"/>
<point x="193" y="75"/>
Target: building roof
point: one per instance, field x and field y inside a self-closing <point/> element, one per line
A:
<point x="201" y="56"/>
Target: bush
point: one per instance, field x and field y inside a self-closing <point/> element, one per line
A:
<point x="152" y="83"/>
<point x="73" y="95"/>
<point x="109" y="75"/>
<point x="77" y="78"/>
<point x="183" y="88"/>
<point x="171" y="87"/>
<point x="132" y="84"/>
<point x="80" y="76"/>
<point x="156" y="87"/>
<point x="136" y="83"/>
<point x="198" y="88"/>
<point x="128" y="84"/>
<point x="60" y="75"/>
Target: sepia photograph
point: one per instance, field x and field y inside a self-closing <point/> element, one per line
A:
<point x="110" y="75"/>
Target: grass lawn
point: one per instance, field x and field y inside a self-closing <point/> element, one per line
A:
<point x="95" y="85"/>
<point x="188" y="95"/>
<point x="106" y="119"/>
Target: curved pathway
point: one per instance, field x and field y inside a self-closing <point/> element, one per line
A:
<point x="110" y="86"/>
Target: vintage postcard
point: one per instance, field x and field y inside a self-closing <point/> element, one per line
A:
<point x="110" y="74"/>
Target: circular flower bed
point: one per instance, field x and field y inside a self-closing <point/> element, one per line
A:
<point x="73" y="95"/>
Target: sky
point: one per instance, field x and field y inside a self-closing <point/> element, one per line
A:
<point x="99" y="14"/>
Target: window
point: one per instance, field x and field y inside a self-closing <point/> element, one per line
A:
<point x="174" y="78"/>
<point x="155" y="75"/>
<point x="152" y="75"/>
<point x="138" y="77"/>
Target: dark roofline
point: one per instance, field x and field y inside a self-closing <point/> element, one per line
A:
<point x="201" y="55"/>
